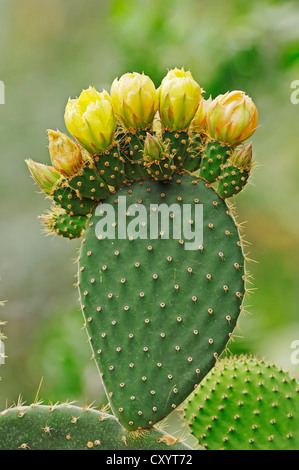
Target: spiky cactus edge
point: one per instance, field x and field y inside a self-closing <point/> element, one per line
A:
<point x="157" y="315"/>
<point x="68" y="427"/>
<point x="245" y="404"/>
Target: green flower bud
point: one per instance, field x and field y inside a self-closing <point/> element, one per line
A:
<point x="46" y="177"/>
<point x="242" y="156"/>
<point x="153" y="147"/>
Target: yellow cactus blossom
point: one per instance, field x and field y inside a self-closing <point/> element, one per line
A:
<point x="91" y="120"/>
<point x="199" y="122"/>
<point x="179" y="97"/>
<point x="66" y="155"/>
<point x="232" y="117"/>
<point x="134" y="99"/>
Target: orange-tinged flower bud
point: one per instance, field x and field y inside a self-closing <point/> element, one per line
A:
<point x="135" y="100"/>
<point x="179" y="97"/>
<point x="232" y="118"/>
<point x="66" y="155"/>
<point x="199" y="122"/>
<point x="242" y="156"/>
<point x="46" y="177"/>
<point x="91" y="120"/>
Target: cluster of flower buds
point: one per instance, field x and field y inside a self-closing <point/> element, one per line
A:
<point x="134" y="102"/>
<point x="67" y="159"/>
<point x="230" y="118"/>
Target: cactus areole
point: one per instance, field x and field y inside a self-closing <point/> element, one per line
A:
<point x="161" y="266"/>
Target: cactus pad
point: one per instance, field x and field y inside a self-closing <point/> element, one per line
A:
<point x="68" y="427"/>
<point x="245" y="404"/>
<point x="63" y="224"/>
<point x="88" y="183"/>
<point x="232" y="180"/>
<point x="67" y="199"/>
<point x="158" y="315"/>
<point x="215" y="155"/>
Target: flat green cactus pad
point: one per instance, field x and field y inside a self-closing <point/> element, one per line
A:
<point x="159" y="315"/>
<point x="68" y="427"/>
<point x="245" y="404"/>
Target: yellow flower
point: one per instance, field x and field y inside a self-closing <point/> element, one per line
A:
<point x="134" y="99"/>
<point x="91" y="120"/>
<point x="232" y="118"/>
<point x="66" y="155"/>
<point x="199" y="122"/>
<point x="179" y="96"/>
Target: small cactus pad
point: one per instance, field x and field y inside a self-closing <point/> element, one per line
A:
<point x="214" y="156"/>
<point x="159" y="315"/>
<point x="232" y="180"/>
<point x="68" y="200"/>
<point x="110" y="166"/>
<point x="245" y="404"/>
<point x="63" y="224"/>
<point x="177" y="144"/>
<point x="194" y="153"/>
<point x="89" y="184"/>
<point x="68" y="427"/>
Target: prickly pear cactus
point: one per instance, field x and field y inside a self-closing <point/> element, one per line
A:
<point x="245" y="404"/>
<point x="68" y="427"/>
<point x="160" y="304"/>
<point x="158" y="315"/>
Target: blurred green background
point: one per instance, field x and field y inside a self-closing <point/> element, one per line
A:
<point x="50" y="50"/>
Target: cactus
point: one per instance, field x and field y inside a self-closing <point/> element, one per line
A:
<point x="158" y="316"/>
<point x="68" y="427"/>
<point x="245" y="404"/>
<point x="234" y="174"/>
<point x="56" y="188"/>
<point x="213" y="159"/>
<point x="159" y="305"/>
<point x="63" y="224"/>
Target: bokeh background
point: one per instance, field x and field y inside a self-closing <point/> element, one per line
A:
<point x="50" y="50"/>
